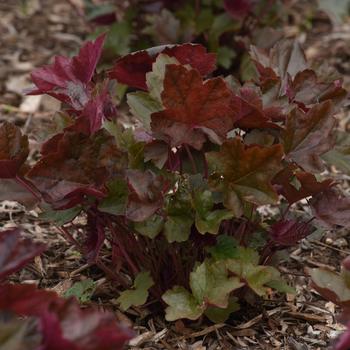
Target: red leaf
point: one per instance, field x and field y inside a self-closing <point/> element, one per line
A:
<point x="193" y="108"/>
<point x="95" y="111"/>
<point x="146" y="195"/>
<point x="16" y="252"/>
<point x="309" y="135"/>
<point x="13" y="150"/>
<point x="289" y="232"/>
<point x="131" y="69"/>
<point x="331" y="208"/>
<point x="195" y="55"/>
<point x="306" y="88"/>
<point x="307" y="184"/>
<point x="67" y="79"/>
<point x="63" y="324"/>
<point x="252" y="114"/>
<point x="238" y="9"/>
<point x="78" y="166"/>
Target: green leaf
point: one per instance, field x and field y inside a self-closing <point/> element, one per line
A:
<point x="155" y="79"/>
<point x="222" y="24"/>
<point x="139" y="294"/>
<point x="219" y="315"/>
<point x="331" y="286"/>
<point x="281" y="286"/>
<point x="118" y="38"/>
<point x="225" y="55"/>
<point x="115" y="202"/>
<point x="60" y="217"/>
<point x="212" y="222"/>
<point x="204" y="21"/>
<point x="151" y="227"/>
<point x="256" y="276"/>
<point x="210" y="283"/>
<point x="248" y="255"/>
<point x="142" y="105"/>
<point x="207" y="220"/>
<point x="82" y="290"/>
<point x="225" y="248"/>
<point x="182" y="304"/>
<point x="178" y="228"/>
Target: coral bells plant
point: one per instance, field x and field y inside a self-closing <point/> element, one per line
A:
<point x="180" y="195"/>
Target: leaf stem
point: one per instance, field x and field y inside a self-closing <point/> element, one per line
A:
<point x="190" y="156"/>
<point x="24" y="183"/>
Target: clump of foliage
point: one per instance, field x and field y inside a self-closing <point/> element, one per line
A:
<point x="50" y="322"/>
<point x="180" y="194"/>
<point x="226" y="27"/>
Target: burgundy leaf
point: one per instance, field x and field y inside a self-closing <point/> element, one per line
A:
<point x="331" y="208"/>
<point x="67" y="79"/>
<point x="238" y="9"/>
<point x="343" y="342"/>
<point x="193" y="108"/>
<point x="131" y="69"/>
<point x="195" y="55"/>
<point x="289" y="232"/>
<point x="306" y="184"/>
<point x="252" y="114"/>
<point x="79" y="165"/>
<point x="309" y="135"/>
<point x="16" y="252"/>
<point x="96" y="110"/>
<point x="146" y="194"/>
<point x="63" y="324"/>
<point x="307" y="88"/>
<point x="13" y="150"/>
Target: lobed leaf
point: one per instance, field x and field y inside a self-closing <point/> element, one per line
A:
<point x="132" y="69"/>
<point x="139" y="294"/>
<point x="63" y="325"/>
<point x="308" y="135"/>
<point x="146" y="194"/>
<point x="77" y="166"/>
<point x="331" y="208"/>
<point x="67" y="79"/>
<point x="193" y="108"/>
<point x="244" y="173"/>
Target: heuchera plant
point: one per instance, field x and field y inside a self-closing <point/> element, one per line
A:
<point x="180" y="194"/>
<point x="51" y="322"/>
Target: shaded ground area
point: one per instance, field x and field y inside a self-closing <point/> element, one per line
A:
<point x="30" y="36"/>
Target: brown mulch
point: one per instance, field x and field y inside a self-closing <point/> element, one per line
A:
<point x="31" y="35"/>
